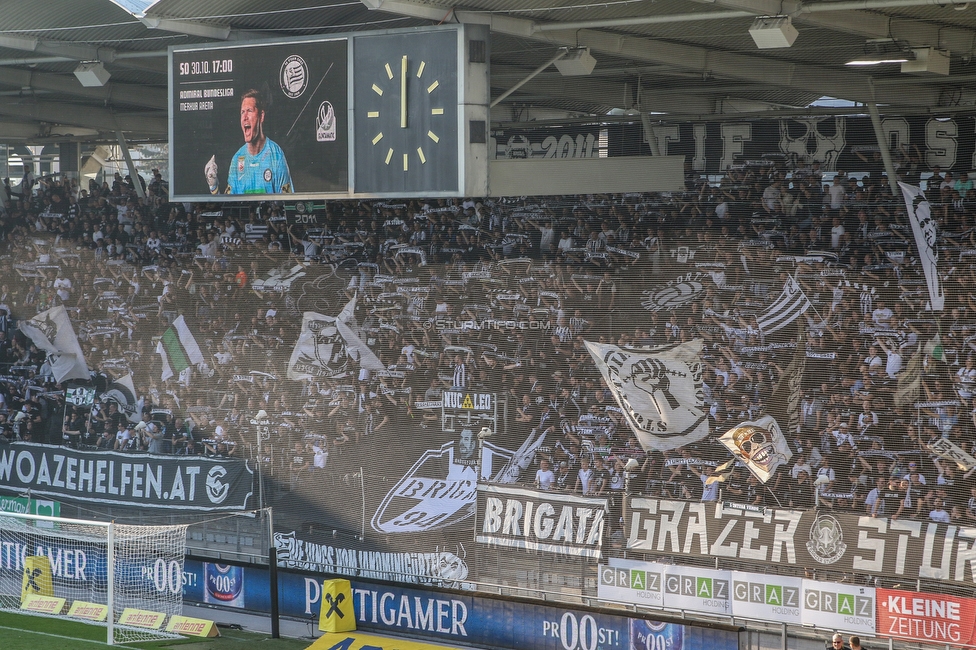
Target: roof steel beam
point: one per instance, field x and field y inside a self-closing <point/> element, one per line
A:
<point x="759" y="69"/>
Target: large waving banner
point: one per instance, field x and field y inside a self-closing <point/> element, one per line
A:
<point x="328" y="346"/>
<point x="926" y="232"/>
<point x="51" y="331"/>
<point x="660" y="390"/>
<point x="807" y="538"/>
<point x="116" y="478"/>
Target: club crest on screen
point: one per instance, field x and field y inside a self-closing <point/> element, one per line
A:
<point x="293" y="76"/>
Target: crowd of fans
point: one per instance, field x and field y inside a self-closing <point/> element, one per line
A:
<point x="498" y="297"/>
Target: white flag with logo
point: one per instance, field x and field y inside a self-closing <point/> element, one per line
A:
<point x="759" y="444"/>
<point x="51" y="331"/>
<point x="791" y="304"/>
<point x="926" y="232"/>
<point x="122" y="391"/>
<point x="660" y="390"/>
<point x="329" y="347"/>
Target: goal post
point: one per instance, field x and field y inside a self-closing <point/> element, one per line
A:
<point x="99" y="569"/>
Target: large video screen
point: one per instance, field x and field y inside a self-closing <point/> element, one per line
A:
<point x="262" y="119"/>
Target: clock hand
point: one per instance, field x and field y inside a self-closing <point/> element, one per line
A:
<point x="403" y="92"/>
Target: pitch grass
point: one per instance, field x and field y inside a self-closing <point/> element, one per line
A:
<point x="20" y="632"/>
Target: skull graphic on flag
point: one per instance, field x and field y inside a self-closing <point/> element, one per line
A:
<point x="759" y="444"/>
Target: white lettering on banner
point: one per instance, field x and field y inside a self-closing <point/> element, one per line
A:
<point x="539" y="520"/>
<point x="734" y="137"/>
<point x="148" y="481"/>
<point x="923" y="606"/>
<point x="826" y="140"/>
<point x="427" y="614"/>
<point x="911" y="549"/>
<point x="65" y="563"/>
<point x="698" y="162"/>
<point x="921" y="629"/>
<point x="941" y="142"/>
<point x="441" y="568"/>
<point x="736" y="538"/>
<point x="468" y="401"/>
<point x="583" y="632"/>
<point x="588" y="522"/>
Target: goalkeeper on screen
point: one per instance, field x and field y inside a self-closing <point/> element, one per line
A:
<point x="258" y="167"/>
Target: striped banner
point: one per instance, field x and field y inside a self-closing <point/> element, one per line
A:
<point x="790" y="305"/>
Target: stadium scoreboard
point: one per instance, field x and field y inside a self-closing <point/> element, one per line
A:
<point x="368" y="114"/>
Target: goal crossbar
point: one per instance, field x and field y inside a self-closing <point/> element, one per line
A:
<point x="115" y="566"/>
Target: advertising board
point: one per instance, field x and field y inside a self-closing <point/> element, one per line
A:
<point x="932" y="618"/>
<point x="451" y="617"/>
<point x="741" y="594"/>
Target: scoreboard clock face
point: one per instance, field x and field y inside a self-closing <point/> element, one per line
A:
<point x="406" y="113"/>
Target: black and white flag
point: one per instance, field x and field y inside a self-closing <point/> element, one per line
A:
<point x="660" y="390"/>
<point x="122" y="391"/>
<point x="791" y="304"/>
<point x="926" y="232"/>
<point x="329" y="347"/>
<point x="51" y="331"/>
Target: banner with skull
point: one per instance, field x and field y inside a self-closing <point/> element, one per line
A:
<point x="660" y="390"/>
<point x="759" y="444"/>
<point x="328" y="347"/>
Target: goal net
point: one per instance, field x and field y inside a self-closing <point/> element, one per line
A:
<point x="100" y="570"/>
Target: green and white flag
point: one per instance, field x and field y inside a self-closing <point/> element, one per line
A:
<point x="934" y="348"/>
<point x="178" y="349"/>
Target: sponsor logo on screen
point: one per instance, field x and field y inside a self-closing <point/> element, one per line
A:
<point x="325" y="123"/>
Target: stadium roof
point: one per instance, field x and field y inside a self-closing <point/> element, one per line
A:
<point x="681" y="57"/>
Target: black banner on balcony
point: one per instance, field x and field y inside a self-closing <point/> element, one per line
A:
<point x="184" y="482"/>
<point x="539" y="520"/>
<point x="837" y="541"/>
<point x="715" y="146"/>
